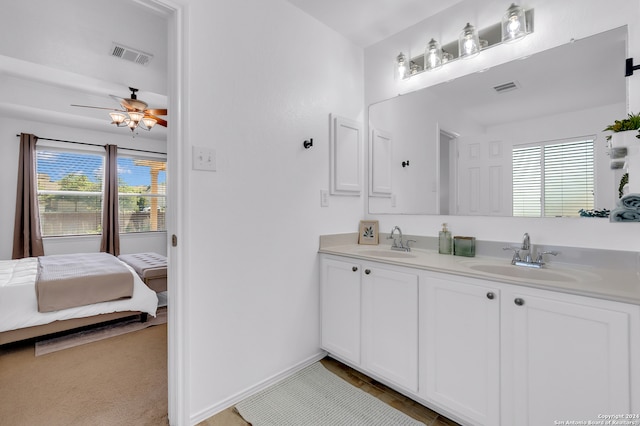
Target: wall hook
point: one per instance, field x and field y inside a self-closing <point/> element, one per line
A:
<point x="308" y="144"/>
<point x="405" y="163"/>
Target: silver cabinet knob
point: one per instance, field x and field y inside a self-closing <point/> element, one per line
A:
<point x="367" y="271"/>
<point x="354" y="269"/>
<point x="490" y="295"/>
<point x="518" y="301"/>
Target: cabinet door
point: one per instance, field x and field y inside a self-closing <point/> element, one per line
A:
<point x="460" y="348"/>
<point x="346" y="156"/>
<point x="390" y="325"/>
<point x="569" y="358"/>
<point x="340" y="308"/>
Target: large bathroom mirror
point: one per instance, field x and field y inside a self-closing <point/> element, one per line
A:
<point x="472" y="146"/>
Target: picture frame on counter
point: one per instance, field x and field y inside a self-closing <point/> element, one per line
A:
<point x="368" y="233"/>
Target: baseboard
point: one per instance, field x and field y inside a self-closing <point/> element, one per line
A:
<point x="234" y="399"/>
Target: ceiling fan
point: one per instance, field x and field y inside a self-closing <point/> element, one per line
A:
<point x="134" y="113"/>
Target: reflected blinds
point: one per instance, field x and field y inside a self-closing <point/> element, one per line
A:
<point x="553" y="179"/>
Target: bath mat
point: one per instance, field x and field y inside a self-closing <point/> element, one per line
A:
<point x="98" y="333"/>
<point x="315" y="396"/>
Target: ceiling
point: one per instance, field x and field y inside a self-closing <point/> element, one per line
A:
<point x="64" y="57"/>
<point x="366" y="22"/>
<point x="64" y="54"/>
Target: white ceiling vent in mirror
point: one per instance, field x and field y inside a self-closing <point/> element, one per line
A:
<point x="129" y="54"/>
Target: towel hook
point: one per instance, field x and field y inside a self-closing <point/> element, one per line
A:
<point x="405" y="163"/>
<point x="308" y="144"/>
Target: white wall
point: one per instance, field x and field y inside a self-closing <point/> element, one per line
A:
<point x="556" y="23"/>
<point x="9" y="151"/>
<point x="262" y="77"/>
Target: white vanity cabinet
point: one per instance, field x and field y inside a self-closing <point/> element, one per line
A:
<point x="483" y="352"/>
<point x="567" y="357"/>
<point x="340" y="295"/>
<point x="370" y="318"/>
<point x="390" y="325"/>
<point x="460" y="346"/>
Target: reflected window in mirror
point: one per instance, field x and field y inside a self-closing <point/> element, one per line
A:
<point x="553" y="179"/>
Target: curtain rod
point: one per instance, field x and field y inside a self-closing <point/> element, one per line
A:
<point x="96" y="144"/>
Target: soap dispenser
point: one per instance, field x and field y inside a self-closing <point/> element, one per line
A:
<point x="444" y="240"/>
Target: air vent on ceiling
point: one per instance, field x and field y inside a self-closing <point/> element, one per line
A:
<point x="129" y="54"/>
<point x="506" y="87"/>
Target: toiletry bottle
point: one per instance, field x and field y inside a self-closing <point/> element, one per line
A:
<point x="444" y="240"/>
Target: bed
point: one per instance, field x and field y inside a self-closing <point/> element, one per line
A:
<point x="21" y="319"/>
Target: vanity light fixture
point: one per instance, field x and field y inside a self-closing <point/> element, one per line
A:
<point x="468" y="42"/>
<point x="401" y="64"/>
<point x="514" y="24"/>
<point x="433" y="56"/>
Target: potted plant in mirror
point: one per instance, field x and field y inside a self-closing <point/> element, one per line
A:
<point x="624" y="131"/>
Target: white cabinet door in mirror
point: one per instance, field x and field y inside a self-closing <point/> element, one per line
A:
<point x="346" y="156"/>
<point x="380" y="167"/>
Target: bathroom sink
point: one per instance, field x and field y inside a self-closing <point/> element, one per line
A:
<point x="520" y="272"/>
<point x="386" y="253"/>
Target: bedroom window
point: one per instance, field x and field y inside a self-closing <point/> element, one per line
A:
<point x="69" y="192"/>
<point x="553" y="179"/>
<point x="142" y="189"/>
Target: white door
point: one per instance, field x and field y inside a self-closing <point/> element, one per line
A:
<point x="390" y="325"/>
<point x="569" y="358"/>
<point x="340" y="308"/>
<point x="460" y="348"/>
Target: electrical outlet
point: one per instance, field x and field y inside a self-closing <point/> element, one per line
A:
<point x="204" y="159"/>
<point x="324" y="198"/>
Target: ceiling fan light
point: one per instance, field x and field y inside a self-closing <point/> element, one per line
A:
<point x="136" y="116"/>
<point x="149" y="122"/>
<point x="117" y="118"/>
<point x="131" y="124"/>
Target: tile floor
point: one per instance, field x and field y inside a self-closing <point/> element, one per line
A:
<point x="230" y="417"/>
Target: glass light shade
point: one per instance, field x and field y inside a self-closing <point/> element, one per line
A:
<point x="514" y="24"/>
<point x="117" y="118"/>
<point x="432" y="56"/>
<point x="446" y="57"/>
<point x="149" y="122"/>
<point x="136" y="116"/>
<point x="468" y="42"/>
<point x="401" y="64"/>
<point x="131" y="124"/>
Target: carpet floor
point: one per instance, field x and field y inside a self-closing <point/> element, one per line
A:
<point x="93" y="334"/>
<point x="117" y="381"/>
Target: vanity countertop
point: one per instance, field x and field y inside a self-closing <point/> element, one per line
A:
<point x="622" y="285"/>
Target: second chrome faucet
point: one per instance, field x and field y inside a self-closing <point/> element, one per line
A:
<point x="526" y="250"/>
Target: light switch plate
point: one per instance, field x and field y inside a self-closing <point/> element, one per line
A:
<point x="324" y="198"/>
<point x="204" y="159"/>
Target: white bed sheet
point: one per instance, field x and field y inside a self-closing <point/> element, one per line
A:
<point x="19" y="306"/>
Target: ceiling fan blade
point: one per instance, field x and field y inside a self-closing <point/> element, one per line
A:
<point x="95" y="107"/>
<point x="156" y="111"/>
<point x="161" y="122"/>
<point x="123" y="102"/>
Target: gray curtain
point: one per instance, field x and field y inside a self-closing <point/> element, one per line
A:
<point x="27" y="236"/>
<point x="110" y="229"/>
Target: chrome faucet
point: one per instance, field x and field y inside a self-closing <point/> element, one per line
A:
<point x="526" y="245"/>
<point x="398" y="244"/>
<point x="528" y="258"/>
